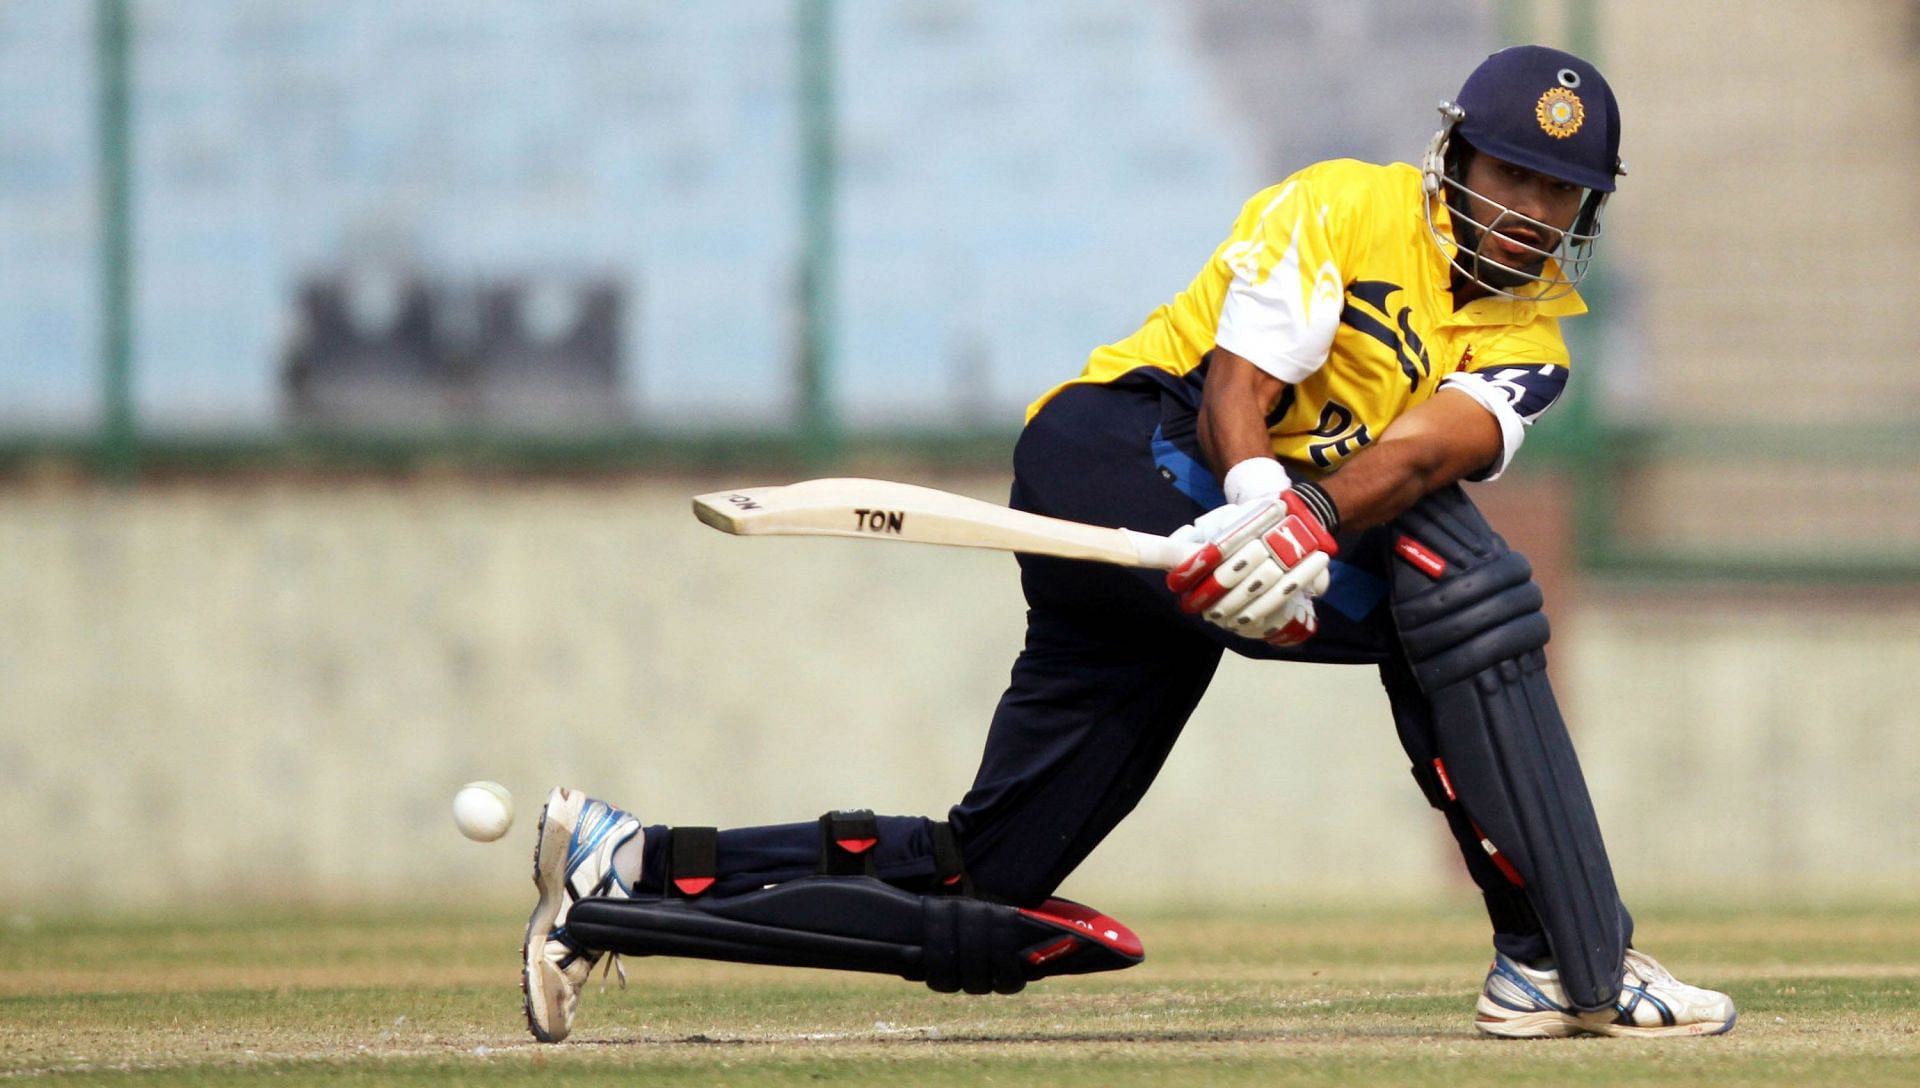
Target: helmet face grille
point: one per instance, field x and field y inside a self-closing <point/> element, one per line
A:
<point x="1561" y="268"/>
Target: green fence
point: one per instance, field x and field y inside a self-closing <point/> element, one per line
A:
<point x="1602" y="461"/>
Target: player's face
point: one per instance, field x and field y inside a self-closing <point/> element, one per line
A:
<point x="1518" y="215"/>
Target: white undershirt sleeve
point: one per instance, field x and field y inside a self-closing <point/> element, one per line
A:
<point x="1516" y="396"/>
<point x="1276" y="316"/>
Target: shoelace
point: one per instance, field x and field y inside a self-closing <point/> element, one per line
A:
<point x="613" y="965"/>
<point x="1647" y="968"/>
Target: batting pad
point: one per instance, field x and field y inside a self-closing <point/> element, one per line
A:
<point x="1469" y="619"/>
<point x="855" y="923"/>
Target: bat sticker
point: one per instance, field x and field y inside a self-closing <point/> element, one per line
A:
<point x="880" y="521"/>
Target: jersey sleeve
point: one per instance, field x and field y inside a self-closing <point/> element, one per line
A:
<point x="1285" y="291"/>
<point x="1517" y="392"/>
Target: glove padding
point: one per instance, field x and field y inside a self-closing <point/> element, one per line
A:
<point x="1257" y="569"/>
<point x="1296" y="622"/>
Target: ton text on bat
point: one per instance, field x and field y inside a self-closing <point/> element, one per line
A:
<point x="879" y="521"/>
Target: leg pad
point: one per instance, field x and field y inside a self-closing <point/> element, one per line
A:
<point x="951" y="943"/>
<point x="1487" y="738"/>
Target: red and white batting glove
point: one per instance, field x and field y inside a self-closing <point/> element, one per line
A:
<point x="1296" y="622"/>
<point x="1257" y="568"/>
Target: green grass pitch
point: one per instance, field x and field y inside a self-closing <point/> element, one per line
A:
<point x="1251" y="996"/>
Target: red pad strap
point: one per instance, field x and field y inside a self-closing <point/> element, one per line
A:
<point x="1506" y="867"/>
<point x="1446" y="783"/>
<point x="1493" y="852"/>
<point x="1499" y="860"/>
<point x="1420" y="556"/>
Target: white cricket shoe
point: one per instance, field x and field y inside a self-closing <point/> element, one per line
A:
<point x="572" y="860"/>
<point x="1521" y="1002"/>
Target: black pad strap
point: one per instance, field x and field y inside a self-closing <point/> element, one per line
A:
<point x="1437" y="790"/>
<point x="847" y="841"/>
<point x="693" y="859"/>
<point x="949" y="866"/>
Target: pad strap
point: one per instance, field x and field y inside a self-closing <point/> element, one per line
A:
<point x="949" y="866"/>
<point x="847" y="840"/>
<point x="693" y="860"/>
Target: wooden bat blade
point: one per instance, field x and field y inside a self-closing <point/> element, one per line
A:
<point x="884" y="510"/>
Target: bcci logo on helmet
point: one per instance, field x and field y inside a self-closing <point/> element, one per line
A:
<point x="1559" y="112"/>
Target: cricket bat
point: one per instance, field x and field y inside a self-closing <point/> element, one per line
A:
<point x="883" y="510"/>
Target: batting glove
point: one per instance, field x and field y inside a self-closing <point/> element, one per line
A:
<point x="1256" y="568"/>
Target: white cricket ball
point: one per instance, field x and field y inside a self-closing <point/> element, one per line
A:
<point x="483" y="810"/>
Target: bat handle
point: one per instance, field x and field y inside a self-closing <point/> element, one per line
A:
<point x="1159" y="552"/>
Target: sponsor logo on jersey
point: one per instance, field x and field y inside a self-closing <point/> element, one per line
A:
<point x="1368" y="311"/>
<point x="1530" y="389"/>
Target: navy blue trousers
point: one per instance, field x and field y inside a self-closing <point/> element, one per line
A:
<point x="1110" y="671"/>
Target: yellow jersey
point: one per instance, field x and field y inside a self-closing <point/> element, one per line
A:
<point x="1330" y="282"/>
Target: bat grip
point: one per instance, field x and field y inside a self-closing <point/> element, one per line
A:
<point x="1159" y="552"/>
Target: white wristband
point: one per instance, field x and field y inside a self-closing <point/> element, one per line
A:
<point x="1255" y="479"/>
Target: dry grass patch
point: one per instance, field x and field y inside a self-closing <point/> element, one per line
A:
<point x="1260" y="996"/>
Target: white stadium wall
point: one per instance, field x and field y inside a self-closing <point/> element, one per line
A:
<point x="271" y="692"/>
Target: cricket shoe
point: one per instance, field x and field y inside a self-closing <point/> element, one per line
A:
<point x="1522" y="1002"/>
<point x="572" y="860"/>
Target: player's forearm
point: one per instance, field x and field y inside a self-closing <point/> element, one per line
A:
<point x="1384" y="480"/>
<point x="1232" y="424"/>
<point x="1228" y="438"/>
<point x="1438" y="442"/>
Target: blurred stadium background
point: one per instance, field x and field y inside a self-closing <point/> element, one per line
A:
<point x="357" y="358"/>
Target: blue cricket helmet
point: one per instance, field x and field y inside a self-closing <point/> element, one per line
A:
<point x="1546" y="110"/>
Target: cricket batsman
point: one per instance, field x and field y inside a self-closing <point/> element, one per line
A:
<point x="1365" y="339"/>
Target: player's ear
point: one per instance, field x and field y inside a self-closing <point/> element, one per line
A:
<point x="1588" y="221"/>
<point x="1459" y="156"/>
